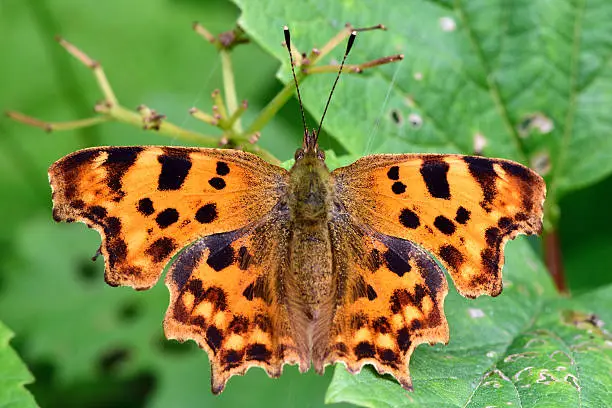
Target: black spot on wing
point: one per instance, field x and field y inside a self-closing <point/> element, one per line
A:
<point x="398" y="187"/>
<point x="518" y="170"/>
<point x="434" y="172"/>
<point x="78" y="204"/>
<point x="216" y="296"/>
<point x="118" y="161"/>
<point x="506" y="223"/>
<point x="381" y="325"/>
<point x="371" y="293"/>
<point x="195" y="288"/>
<point x="403" y="339"/>
<point x="396" y="263"/>
<point x="463" y="215"/>
<point x="444" y="225"/>
<point x="483" y="172"/>
<point x="221" y="259"/>
<point x="217" y="183"/>
<point x="222" y="168"/>
<point x="112" y="226"/>
<point x="419" y="293"/>
<point x="96" y="213"/>
<point x="239" y="324"/>
<point x="490" y="261"/>
<point x="167" y="217"/>
<point x="452" y="256"/>
<point x="206" y="213"/>
<point x="214" y="338"/>
<point x="374" y="261"/>
<point x="393" y="173"/>
<point x="117" y="251"/>
<point x="175" y="166"/>
<point x="400" y="299"/>
<point x="145" y="206"/>
<point x="161" y="249"/>
<point x="364" y="350"/>
<point x="409" y="219"/>
<point x="493" y="236"/>
<point x="244" y="258"/>
<point x="232" y="358"/>
<point x="258" y="352"/>
<point x="389" y="357"/>
<point x="255" y="290"/>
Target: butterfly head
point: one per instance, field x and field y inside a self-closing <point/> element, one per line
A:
<point x="310" y="148"/>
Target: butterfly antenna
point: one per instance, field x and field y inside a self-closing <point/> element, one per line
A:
<point x="288" y="44"/>
<point x="349" y="45"/>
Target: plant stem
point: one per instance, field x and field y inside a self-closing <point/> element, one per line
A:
<point x="554" y="260"/>
<point x="229" y="87"/>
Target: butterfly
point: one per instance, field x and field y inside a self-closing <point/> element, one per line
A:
<point x="303" y="266"/>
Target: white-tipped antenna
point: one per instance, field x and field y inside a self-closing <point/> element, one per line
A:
<point x="351" y="40"/>
<point x="288" y="44"/>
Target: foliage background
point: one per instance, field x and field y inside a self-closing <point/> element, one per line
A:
<point x="88" y="344"/>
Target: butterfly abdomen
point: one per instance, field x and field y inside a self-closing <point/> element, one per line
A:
<point x="309" y="283"/>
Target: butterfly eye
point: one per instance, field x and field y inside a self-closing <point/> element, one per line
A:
<point x="299" y="154"/>
<point x="321" y="154"/>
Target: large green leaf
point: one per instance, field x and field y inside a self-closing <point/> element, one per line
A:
<point x="13" y="375"/>
<point x="531" y="78"/>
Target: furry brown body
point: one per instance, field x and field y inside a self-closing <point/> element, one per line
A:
<point x="310" y="285"/>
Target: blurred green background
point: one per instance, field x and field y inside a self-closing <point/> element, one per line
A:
<point x="91" y="345"/>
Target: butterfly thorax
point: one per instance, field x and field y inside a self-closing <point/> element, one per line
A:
<point x="310" y="283"/>
<point x="309" y="189"/>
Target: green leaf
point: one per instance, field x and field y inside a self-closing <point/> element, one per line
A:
<point x="13" y="375"/>
<point x="532" y="79"/>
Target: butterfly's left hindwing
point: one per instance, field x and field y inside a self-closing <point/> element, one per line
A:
<point x="226" y="294"/>
<point x="149" y="202"/>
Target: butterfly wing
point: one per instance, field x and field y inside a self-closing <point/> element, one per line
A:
<point x="463" y="209"/>
<point x="394" y="213"/>
<point x="225" y="294"/>
<point x="148" y="203"/>
<point x="391" y="301"/>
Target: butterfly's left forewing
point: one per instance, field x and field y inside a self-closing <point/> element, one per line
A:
<point x="149" y="202"/>
<point x="462" y="209"/>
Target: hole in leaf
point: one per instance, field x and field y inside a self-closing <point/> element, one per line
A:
<point x="415" y="120"/>
<point x="479" y="143"/>
<point x="396" y="117"/>
<point x="540" y="162"/>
